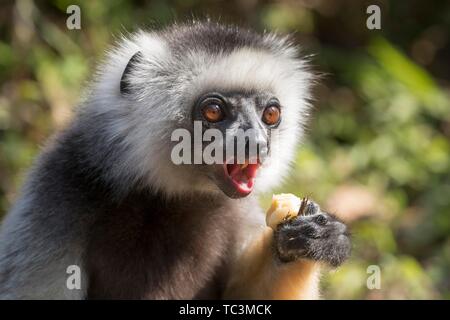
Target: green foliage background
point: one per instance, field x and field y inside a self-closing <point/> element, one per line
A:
<point x="377" y="151"/>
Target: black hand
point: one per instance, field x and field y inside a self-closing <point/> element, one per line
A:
<point x="316" y="235"/>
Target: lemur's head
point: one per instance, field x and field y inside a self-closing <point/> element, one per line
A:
<point x="166" y="99"/>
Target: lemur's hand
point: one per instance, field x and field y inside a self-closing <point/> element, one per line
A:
<point x="314" y="235"/>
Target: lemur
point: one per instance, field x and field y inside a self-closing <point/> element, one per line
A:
<point x="105" y="196"/>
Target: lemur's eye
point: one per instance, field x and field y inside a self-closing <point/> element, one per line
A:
<point x="271" y="115"/>
<point x="213" y="112"/>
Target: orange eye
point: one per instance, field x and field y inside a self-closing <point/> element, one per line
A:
<point x="271" y="115"/>
<point x="212" y="112"/>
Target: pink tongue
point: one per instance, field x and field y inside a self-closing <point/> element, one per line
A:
<point x="251" y="170"/>
<point x="245" y="176"/>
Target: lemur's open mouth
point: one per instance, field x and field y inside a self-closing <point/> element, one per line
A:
<point x="242" y="176"/>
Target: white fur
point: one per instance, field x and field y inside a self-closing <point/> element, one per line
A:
<point x="148" y="118"/>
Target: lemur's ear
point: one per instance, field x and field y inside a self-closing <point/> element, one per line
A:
<point x="125" y="85"/>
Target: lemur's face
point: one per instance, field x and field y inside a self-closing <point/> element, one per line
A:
<point x="236" y="85"/>
<point x="246" y="121"/>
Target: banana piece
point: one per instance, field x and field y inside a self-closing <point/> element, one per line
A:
<point x="284" y="206"/>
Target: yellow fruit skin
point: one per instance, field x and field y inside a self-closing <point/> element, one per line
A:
<point x="284" y="206"/>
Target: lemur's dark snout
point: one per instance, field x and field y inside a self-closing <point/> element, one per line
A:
<point x="259" y="150"/>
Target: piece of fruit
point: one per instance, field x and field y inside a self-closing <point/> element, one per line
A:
<point x="284" y="206"/>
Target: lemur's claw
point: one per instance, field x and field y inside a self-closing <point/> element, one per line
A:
<point x="314" y="235"/>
